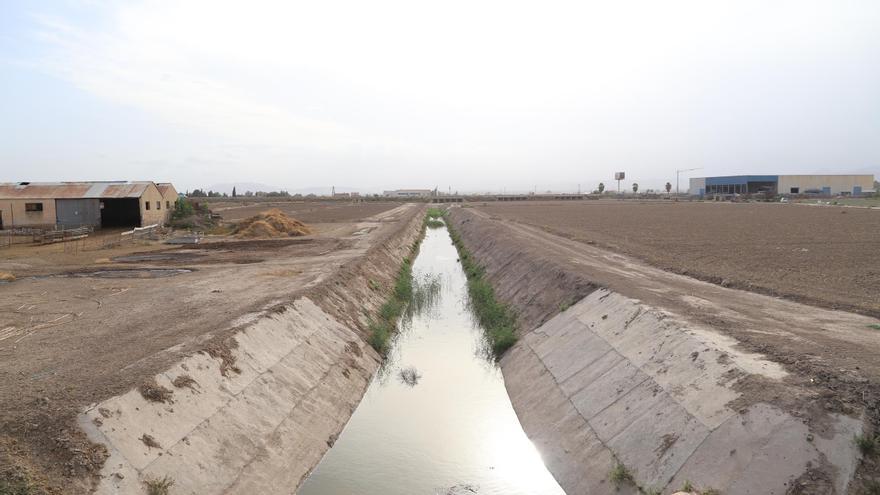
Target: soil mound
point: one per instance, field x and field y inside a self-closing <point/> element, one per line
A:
<point x="271" y="223"/>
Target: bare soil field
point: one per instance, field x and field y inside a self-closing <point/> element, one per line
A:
<point x="306" y="211"/>
<point x="824" y="256"/>
<point x="77" y="327"/>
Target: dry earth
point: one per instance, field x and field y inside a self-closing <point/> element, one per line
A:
<point x="310" y="212"/>
<point x="825" y="256"/>
<point x="70" y="337"/>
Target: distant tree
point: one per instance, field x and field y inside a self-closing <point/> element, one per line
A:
<point x="248" y="194"/>
<point x="635" y="187"/>
<point x="197" y="193"/>
<point x="668" y="187"/>
<point x="233" y="191"/>
<point x="601" y="187"/>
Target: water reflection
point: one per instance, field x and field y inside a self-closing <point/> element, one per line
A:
<point x="452" y="429"/>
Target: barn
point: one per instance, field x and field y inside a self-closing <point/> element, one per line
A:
<point x="49" y="205"/>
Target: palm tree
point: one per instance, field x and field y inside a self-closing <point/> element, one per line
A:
<point x="668" y="187"/>
<point x="601" y="187"/>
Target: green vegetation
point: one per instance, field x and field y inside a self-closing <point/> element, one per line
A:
<point x="874" y="326"/>
<point x="688" y="487"/>
<point x="495" y="317"/>
<point x="15" y="487"/>
<point x="382" y="328"/>
<point x="867" y="445"/>
<point x="402" y="296"/>
<point x="434" y="224"/>
<point x="620" y="475"/>
<point x="871" y="487"/>
<point x="158" y="486"/>
<point x="435" y="213"/>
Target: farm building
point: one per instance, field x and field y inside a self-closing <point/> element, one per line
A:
<point x="826" y="185"/>
<point x="169" y="196"/>
<point x="74" y="204"/>
<point x="408" y="193"/>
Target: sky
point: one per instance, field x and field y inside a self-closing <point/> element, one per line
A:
<point x="462" y="95"/>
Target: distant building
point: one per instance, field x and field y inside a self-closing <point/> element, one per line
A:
<point x="169" y="195"/>
<point x="826" y="185"/>
<point x="75" y="204"/>
<point x="408" y="193"/>
<point x="341" y="195"/>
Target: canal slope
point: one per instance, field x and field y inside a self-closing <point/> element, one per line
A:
<point x="256" y="412"/>
<point x="613" y="372"/>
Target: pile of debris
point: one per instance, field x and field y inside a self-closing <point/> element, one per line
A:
<point x="271" y="223"/>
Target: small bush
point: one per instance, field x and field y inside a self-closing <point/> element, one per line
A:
<point x="867" y="445"/>
<point x="157" y="486"/>
<point x="620" y="475"/>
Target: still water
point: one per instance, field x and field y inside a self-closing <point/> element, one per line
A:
<point x="452" y="432"/>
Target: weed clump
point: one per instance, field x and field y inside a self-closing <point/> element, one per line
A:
<point x="498" y="320"/>
<point x="153" y="392"/>
<point x="434" y="224"/>
<point x="867" y="444"/>
<point x="875" y="326"/>
<point x="382" y="327"/>
<point x="156" y="486"/>
<point x="620" y="475"/>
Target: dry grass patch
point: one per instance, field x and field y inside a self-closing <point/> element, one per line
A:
<point x="154" y="392"/>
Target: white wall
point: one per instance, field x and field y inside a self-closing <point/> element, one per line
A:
<point x="837" y="183"/>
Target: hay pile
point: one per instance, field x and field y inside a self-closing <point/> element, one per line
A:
<point x="271" y="223"/>
<point x="6" y="277"/>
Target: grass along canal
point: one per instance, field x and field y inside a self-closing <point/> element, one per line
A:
<point x="436" y="419"/>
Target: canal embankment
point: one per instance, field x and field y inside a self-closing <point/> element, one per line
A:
<point x="620" y="394"/>
<point x="256" y="412"/>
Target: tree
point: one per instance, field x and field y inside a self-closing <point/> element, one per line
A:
<point x="668" y="187"/>
<point x="601" y="187"/>
<point x="233" y="191"/>
<point x="635" y="187"/>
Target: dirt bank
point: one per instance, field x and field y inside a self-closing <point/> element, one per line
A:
<point x="808" y="372"/>
<point x="109" y="336"/>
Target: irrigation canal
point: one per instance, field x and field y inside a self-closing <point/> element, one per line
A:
<point x="436" y="419"/>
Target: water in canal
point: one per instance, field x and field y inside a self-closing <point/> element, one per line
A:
<point x="454" y="431"/>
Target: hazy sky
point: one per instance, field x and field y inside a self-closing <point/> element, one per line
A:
<point x="476" y="95"/>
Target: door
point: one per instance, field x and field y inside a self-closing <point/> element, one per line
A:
<point x="77" y="212"/>
<point x="826" y="191"/>
<point x="857" y="190"/>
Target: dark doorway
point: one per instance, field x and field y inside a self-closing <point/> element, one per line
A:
<point x="124" y="212"/>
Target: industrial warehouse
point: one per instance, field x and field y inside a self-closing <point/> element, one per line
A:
<point x="824" y="185"/>
<point x="78" y="204"/>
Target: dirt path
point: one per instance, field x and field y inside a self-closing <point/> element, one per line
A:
<point x="70" y="341"/>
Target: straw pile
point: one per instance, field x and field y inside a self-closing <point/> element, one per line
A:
<point x="6" y="277"/>
<point x="271" y="223"/>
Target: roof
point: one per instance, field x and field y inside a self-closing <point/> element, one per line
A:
<point x="73" y="190"/>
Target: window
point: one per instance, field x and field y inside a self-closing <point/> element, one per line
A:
<point x="147" y="204"/>
<point x="795" y="190"/>
<point x="158" y="205"/>
<point x="33" y="207"/>
<point x="168" y="205"/>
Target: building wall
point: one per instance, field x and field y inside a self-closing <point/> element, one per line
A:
<point x="169" y="201"/>
<point x="697" y="186"/>
<point x="13" y="210"/>
<point x="157" y="212"/>
<point x="838" y="183"/>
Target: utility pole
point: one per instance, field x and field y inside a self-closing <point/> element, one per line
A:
<point x="678" y="172"/>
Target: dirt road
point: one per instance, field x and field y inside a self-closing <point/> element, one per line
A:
<point x="75" y="337"/>
<point x="824" y="256"/>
